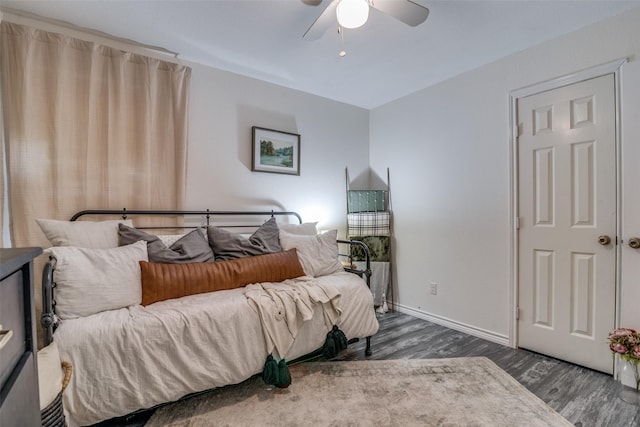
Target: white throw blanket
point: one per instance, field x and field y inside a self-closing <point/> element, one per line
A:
<point x="284" y="306"/>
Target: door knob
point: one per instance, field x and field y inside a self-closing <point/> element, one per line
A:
<point x="634" y="242"/>
<point x="605" y="240"/>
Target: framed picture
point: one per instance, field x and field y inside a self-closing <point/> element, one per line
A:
<point x="275" y="151"/>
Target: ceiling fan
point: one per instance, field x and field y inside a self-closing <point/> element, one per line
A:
<point x="354" y="13"/>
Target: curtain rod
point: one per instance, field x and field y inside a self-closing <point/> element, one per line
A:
<point x="97" y="33"/>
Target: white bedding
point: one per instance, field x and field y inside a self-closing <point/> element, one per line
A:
<point x="137" y="357"/>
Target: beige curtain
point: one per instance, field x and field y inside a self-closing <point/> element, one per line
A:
<point x="88" y="127"/>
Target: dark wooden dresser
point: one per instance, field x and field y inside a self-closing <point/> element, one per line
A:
<point x="19" y="401"/>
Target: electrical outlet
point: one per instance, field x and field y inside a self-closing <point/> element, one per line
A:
<point x="434" y="288"/>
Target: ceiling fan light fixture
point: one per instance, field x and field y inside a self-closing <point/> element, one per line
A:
<point x="352" y="13"/>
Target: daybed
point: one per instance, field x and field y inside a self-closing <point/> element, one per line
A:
<point x="143" y="324"/>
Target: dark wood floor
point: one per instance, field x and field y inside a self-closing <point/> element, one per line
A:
<point x="585" y="397"/>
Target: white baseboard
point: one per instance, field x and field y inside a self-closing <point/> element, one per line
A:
<point x="452" y="324"/>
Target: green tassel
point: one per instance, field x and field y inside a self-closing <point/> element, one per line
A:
<point x="270" y="371"/>
<point x="330" y="349"/>
<point x="340" y="338"/>
<point x="336" y="342"/>
<point x="284" y="377"/>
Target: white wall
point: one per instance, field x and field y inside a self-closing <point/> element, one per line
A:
<point x="224" y="106"/>
<point x="448" y="150"/>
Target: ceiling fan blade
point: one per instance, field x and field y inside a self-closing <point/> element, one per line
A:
<point x="326" y="19"/>
<point x="405" y="11"/>
<point x="312" y="2"/>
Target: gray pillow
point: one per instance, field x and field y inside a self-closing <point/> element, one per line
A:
<point x="192" y="247"/>
<point x="228" y="245"/>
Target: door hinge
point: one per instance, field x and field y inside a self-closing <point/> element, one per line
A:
<point x="517" y="313"/>
<point x="520" y="126"/>
<point x="517" y="223"/>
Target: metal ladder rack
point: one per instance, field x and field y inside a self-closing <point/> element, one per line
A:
<point x="369" y="220"/>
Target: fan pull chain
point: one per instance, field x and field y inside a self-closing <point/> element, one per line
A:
<point x="341" y="32"/>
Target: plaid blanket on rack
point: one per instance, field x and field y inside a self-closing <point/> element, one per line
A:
<point x="369" y="224"/>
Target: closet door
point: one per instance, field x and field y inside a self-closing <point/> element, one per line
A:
<point x="630" y="203"/>
<point x="567" y="209"/>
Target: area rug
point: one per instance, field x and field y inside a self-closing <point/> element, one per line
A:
<point x="414" y="392"/>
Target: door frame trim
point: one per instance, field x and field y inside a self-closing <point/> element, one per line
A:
<point x="612" y="67"/>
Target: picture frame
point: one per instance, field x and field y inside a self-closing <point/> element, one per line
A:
<point x="275" y="151"/>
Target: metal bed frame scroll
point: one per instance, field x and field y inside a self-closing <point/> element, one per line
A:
<point x="50" y="321"/>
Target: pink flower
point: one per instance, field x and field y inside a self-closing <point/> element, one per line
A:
<point x="626" y="343"/>
<point x="616" y="347"/>
<point x="621" y="332"/>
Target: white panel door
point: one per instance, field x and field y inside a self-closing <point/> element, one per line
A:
<point x="630" y="276"/>
<point x="567" y="210"/>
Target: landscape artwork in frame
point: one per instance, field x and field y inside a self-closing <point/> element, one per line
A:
<point x="275" y="151"/>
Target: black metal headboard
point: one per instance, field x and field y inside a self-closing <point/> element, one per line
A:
<point x="206" y="215"/>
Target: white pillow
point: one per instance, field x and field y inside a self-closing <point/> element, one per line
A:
<point x="89" y="281"/>
<point x="305" y="229"/>
<point x="82" y="234"/>
<point x="318" y="254"/>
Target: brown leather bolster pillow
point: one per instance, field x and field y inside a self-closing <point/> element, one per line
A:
<point x="165" y="281"/>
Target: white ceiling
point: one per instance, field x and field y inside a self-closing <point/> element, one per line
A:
<point x="385" y="59"/>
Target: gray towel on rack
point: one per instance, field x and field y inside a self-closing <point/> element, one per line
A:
<point x="380" y="280"/>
